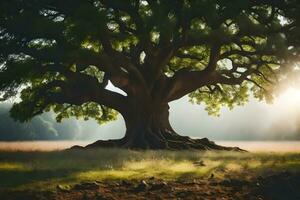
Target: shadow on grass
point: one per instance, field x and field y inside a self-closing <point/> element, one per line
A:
<point x="44" y="169"/>
<point x="13" y="179"/>
<point x="18" y="169"/>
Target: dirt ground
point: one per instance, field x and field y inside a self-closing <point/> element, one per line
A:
<point x="280" y="186"/>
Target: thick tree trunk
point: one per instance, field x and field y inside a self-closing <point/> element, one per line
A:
<point x="149" y="128"/>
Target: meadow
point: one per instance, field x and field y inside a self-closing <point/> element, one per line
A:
<point x="45" y="170"/>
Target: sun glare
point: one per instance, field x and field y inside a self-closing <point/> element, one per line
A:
<point x="291" y="97"/>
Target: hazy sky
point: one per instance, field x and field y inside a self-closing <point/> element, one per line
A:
<point x="254" y="121"/>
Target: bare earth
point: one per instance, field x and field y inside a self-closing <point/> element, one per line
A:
<point x="280" y="186"/>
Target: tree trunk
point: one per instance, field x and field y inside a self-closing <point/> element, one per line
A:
<point x="148" y="127"/>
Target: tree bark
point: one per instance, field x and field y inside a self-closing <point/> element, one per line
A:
<point x="148" y="127"/>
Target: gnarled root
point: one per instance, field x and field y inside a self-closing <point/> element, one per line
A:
<point x="159" y="140"/>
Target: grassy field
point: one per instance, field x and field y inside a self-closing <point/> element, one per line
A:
<point x="45" y="170"/>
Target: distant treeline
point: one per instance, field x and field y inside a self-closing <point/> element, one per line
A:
<point x="42" y="127"/>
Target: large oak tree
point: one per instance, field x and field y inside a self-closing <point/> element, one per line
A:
<point x="61" y="54"/>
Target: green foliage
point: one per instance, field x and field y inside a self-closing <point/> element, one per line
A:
<point x="61" y="54"/>
<point x="85" y="111"/>
<point x="220" y="95"/>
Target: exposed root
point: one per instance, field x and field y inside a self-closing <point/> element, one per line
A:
<point x="155" y="132"/>
<point x="168" y="142"/>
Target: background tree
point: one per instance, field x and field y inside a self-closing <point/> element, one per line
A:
<point x="62" y="54"/>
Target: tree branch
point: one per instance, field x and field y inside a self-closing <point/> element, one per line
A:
<point x="83" y="88"/>
<point x="184" y="82"/>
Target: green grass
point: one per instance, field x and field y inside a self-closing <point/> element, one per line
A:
<point x="44" y="170"/>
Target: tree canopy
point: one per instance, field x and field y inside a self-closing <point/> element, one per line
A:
<point x="61" y="54"/>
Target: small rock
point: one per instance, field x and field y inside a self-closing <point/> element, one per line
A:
<point x="164" y="183"/>
<point x="63" y="188"/>
<point x="142" y="186"/>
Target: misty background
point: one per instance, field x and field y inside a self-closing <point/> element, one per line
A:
<point x="253" y="121"/>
